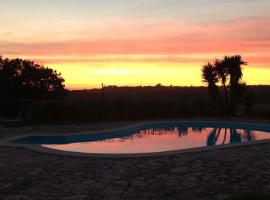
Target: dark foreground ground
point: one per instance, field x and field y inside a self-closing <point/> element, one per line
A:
<point x="203" y="176"/>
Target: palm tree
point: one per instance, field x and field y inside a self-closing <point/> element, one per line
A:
<point x="233" y="66"/>
<point x="222" y="74"/>
<point x="210" y="77"/>
<point x="229" y="73"/>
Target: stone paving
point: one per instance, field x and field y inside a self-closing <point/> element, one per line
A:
<point x="199" y="176"/>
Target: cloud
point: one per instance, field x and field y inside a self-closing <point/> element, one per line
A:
<point x="147" y="37"/>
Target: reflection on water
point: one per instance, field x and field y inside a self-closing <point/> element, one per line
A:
<point x="226" y="136"/>
<point x="164" y="139"/>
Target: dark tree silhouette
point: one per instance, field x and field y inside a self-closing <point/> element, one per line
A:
<point x="227" y="72"/>
<point x="234" y="70"/>
<point x="221" y="70"/>
<point x="210" y="77"/>
<point x="24" y="79"/>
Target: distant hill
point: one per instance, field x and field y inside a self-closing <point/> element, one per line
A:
<point x="127" y="103"/>
<point x="156" y="93"/>
<point x="139" y="93"/>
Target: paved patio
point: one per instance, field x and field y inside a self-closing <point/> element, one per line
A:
<point x="205" y="175"/>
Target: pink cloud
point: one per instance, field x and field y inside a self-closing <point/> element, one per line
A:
<point x="171" y="37"/>
<point x="146" y="46"/>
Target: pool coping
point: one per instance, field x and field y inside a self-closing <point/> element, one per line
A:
<point x="6" y="142"/>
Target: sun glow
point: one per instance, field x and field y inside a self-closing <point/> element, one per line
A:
<point x="91" y="75"/>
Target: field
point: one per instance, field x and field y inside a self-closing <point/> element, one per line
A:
<point x="128" y="103"/>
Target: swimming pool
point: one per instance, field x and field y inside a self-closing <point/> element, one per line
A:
<point x="153" y="137"/>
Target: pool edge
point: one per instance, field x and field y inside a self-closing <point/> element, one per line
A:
<point x="43" y="150"/>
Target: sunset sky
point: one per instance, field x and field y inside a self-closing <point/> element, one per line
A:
<point x="139" y="42"/>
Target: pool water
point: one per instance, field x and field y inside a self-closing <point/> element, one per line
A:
<point x="154" y="138"/>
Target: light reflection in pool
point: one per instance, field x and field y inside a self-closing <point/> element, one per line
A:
<point x="161" y="139"/>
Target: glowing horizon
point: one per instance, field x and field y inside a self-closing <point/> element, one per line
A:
<point x="118" y="42"/>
